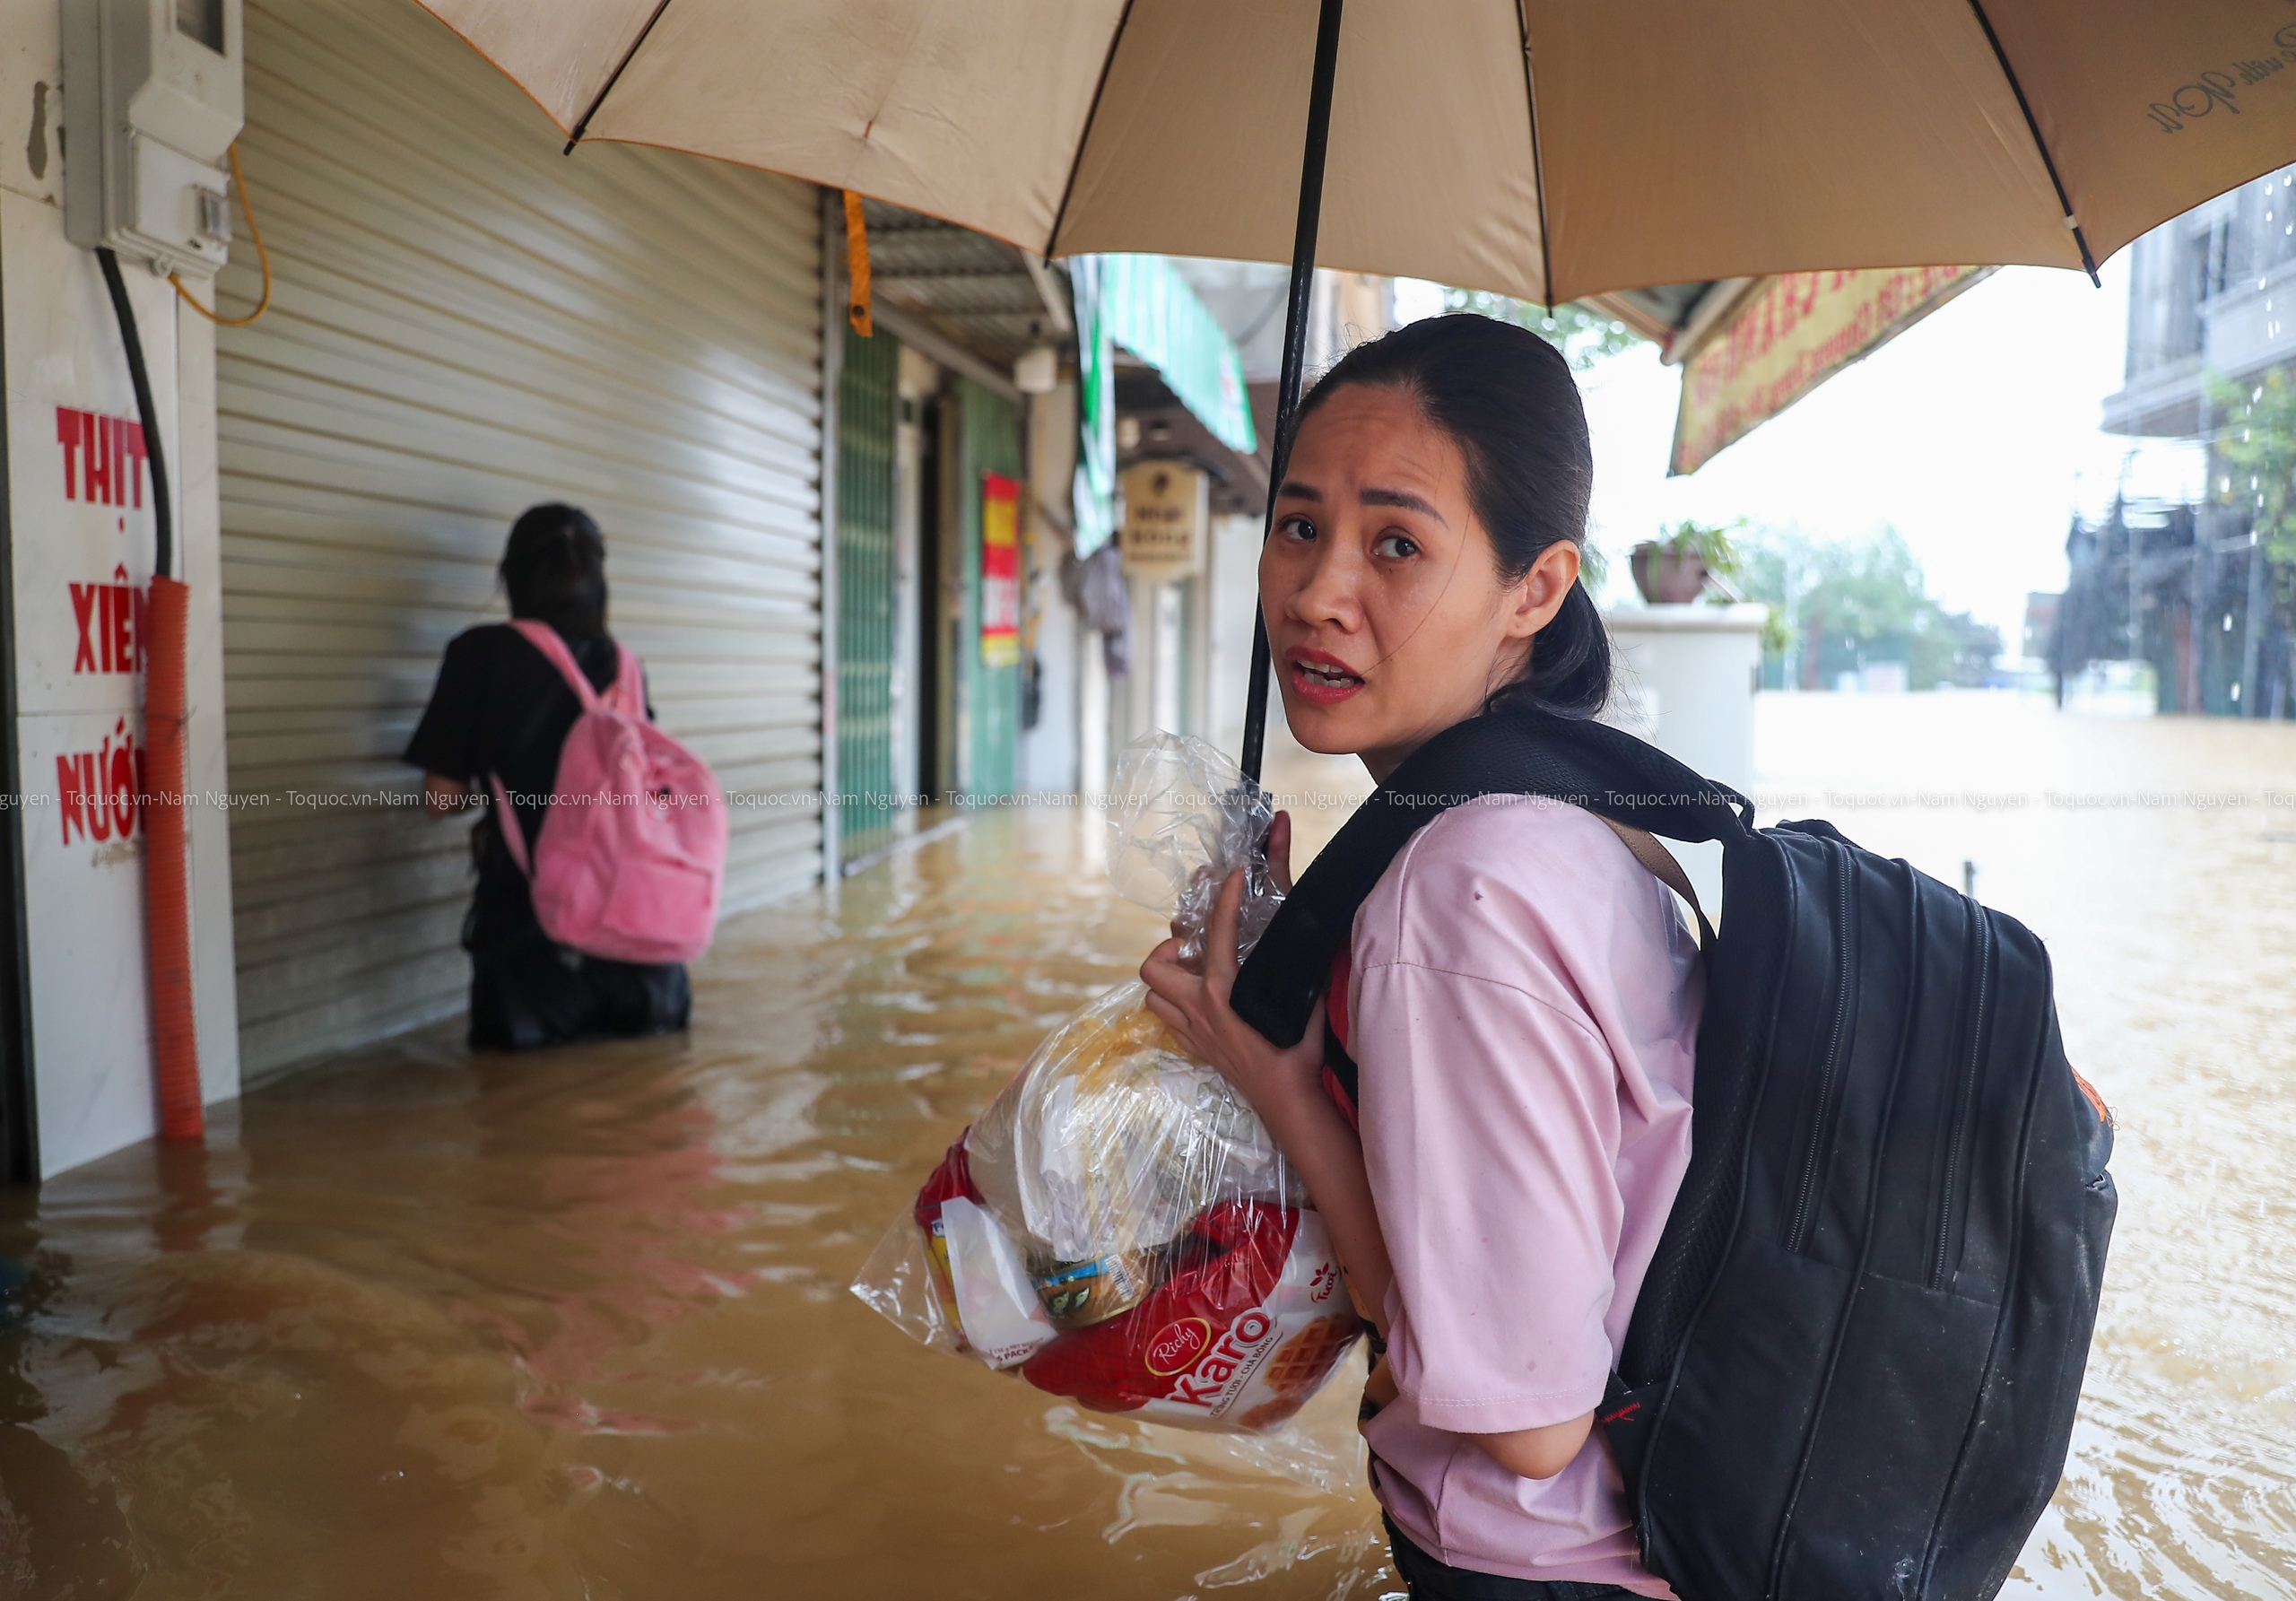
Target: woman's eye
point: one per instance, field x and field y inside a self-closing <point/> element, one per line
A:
<point x="1395" y="546"/>
<point x="1296" y="527"/>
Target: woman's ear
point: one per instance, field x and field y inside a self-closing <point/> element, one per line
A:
<point x="1541" y="591"/>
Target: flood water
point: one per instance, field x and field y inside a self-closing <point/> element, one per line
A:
<point x="576" y="1324"/>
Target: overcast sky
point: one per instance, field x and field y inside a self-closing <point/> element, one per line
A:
<point x="1975" y="432"/>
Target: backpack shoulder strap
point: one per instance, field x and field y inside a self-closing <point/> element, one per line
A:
<point x="629" y="692"/>
<point x="1660" y="864"/>
<point x="544" y="638"/>
<point x="1518" y="750"/>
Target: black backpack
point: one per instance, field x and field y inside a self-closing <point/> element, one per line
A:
<point x="1852" y="1370"/>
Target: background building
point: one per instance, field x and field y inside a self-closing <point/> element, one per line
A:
<point x="2196" y="589"/>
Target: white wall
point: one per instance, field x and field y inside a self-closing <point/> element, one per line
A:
<point x="90" y="1022"/>
<point x="1231" y="579"/>
<point x="1049" y="757"/>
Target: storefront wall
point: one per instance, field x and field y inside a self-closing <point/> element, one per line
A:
<point x="465" y="323"/>
<point x="76" y="510"/>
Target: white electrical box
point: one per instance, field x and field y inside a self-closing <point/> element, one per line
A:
<point x="152" y="100"/>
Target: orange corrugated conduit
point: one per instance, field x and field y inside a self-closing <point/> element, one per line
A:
<point x="167" y="860"/>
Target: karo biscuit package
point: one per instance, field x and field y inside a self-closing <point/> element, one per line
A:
<point x="1117" y="1225"/>
<point x="1248" y="1323"/>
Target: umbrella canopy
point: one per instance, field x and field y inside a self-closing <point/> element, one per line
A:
<point x="1547" y="149"/>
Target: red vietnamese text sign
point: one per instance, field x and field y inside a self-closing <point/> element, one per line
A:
<point x="1000" y="571"/>
<point x="100" y="791"/>
<point x="1793" y="332"/>
<point x="113" y="620"/>
<point x="103" y="457"/>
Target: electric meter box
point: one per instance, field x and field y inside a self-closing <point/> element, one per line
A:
<point x="152" y="99"/>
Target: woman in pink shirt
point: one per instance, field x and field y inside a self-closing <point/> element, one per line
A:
<point x="1519" y="995"/>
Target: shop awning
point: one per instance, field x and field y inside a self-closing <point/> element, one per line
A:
<point x="1140" y="304"/>
<point x="1750" y="347"/>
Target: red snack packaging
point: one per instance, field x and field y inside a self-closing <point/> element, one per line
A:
<point x="979" y="1278"/>
<point x="1248" y="1323"/>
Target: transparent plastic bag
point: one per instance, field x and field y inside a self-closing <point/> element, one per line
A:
<point x="1117" y="1226"/>
<point x="1183" y="818"/>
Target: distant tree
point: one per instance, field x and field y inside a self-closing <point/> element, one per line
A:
<point x="1977" y="646"/>
<point x="2256" y="450"/>
<point x="1584" y="337"/>
<point x="1846" y="602"/>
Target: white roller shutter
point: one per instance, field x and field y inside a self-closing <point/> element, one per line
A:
<point x="465" y="323"/>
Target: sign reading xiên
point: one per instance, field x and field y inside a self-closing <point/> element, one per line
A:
<point x="1793" y="332"/>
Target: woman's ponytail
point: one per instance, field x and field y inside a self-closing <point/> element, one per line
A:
<point x="1570" y="669"/>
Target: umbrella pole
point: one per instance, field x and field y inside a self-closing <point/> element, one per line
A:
<point x="1295" y="350"/>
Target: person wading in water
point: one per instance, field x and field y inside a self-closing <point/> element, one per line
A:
<point x="1520" y="996"/>
<point x="500" y="710"/>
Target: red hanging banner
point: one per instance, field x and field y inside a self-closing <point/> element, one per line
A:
<point x="1000" y="571"/>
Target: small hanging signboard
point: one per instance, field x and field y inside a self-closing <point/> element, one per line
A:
<point x="1167" y="516"/>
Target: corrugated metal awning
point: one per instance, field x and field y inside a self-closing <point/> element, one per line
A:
<point x="963" y="298"/>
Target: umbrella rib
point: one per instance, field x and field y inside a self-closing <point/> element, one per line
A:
<point x="1091" y="116"/>
<point x="614" y="77"/>
<point x="2033" y="127"/>
<point x="1538" y="165"/>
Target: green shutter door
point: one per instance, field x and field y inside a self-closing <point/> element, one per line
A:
<point x="992" y="444"/>
<point x="866" y="396"/>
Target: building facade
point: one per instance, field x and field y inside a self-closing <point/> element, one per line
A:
<point x="846" y="556"/>
<point x="2191" y="590"/>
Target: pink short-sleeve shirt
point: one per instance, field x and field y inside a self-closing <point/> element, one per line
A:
<point x="1523" y="1003"/>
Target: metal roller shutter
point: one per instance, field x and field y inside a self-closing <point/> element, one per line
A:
<point x="465" y="323"/>
<point x="866" y="395"/>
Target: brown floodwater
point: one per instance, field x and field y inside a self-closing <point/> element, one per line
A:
<point x="577" y="1323"/>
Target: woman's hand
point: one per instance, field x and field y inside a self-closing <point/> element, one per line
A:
<point x="1195" y="1006"/>
<point x="1284" y="1087"/>
<point x="1279" y="872"/>
<point x="1191" y="999"/>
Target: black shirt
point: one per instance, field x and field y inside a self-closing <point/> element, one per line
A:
<point x="500" y="707"/>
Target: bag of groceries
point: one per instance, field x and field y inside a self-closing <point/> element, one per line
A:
<point x="1116" y="1226"/>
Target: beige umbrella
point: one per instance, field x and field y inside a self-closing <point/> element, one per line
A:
<point x="1549" y="149"/>
<point x="1546" y="149"/>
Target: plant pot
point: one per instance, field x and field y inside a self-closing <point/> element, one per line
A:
<point x="1667" y="577"/>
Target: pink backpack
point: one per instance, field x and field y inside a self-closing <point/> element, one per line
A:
<point x="631" y="864"/>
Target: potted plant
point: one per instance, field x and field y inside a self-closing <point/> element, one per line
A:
<point x="1673" y="569"/>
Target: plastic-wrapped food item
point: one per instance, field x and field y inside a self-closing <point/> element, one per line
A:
<point x="1117" y="1223"/>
